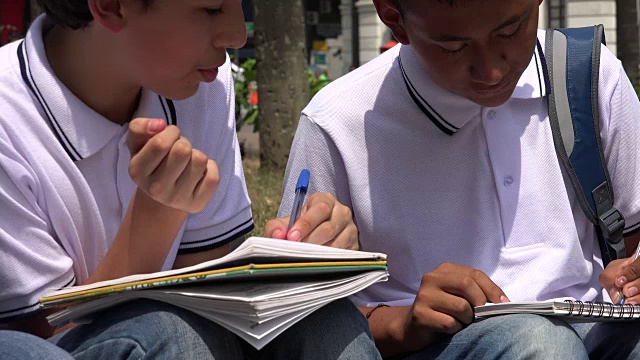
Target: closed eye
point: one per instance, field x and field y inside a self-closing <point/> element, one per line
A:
<point x="453" y="52"/>
<point x="513" y="34"/>
<point x="214" y="12"/>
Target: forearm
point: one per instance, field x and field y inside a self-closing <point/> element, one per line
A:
<point x="392" y="337"/>
<point x="141" y="246"/>
<point x="631" y="243"/>
<point x="143" y="240"/>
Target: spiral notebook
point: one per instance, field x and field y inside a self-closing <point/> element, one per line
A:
<point x="575" y="309"/>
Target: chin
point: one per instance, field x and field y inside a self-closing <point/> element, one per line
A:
<point x="181" y="93"/>
<point x="491" y="101"/>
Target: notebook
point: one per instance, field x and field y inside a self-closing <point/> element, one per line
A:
<point x="257" y="291"/>
<point x="574" y="309"/>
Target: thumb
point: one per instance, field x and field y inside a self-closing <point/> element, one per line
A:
<point x="629" y="272"/>
<point x="142" y="130"/>
<point x="615" y="276"/>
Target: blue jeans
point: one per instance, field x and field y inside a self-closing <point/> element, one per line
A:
<point x="611" y="340"/>
<point x="537" y="337"/>
<point x="16" y="345"/>
<point x="154" y="330"/>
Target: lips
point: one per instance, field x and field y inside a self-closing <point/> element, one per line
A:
<point x="493" y="90"/>
<point x="209" y="75"/>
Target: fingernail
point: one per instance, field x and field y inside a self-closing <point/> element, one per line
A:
<point x="632" y="291"/>
<point x="615" y="296"/>
<point x="155" y="125"/>
<point x="295" y="235"/>
<point x="504" y="299"/>
<point x="621" y="280"/>
<point x="631" y="303"/>
<point x="277" y="234"/>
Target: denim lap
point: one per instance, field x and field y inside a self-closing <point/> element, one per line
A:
<point x="149" y="330"/>
<point x="16" y="345"/>
<point x="509" y="337"/>
<point x="610" y="340"/>
<point x="153" y="330"/>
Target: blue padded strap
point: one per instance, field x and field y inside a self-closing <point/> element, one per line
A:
<point x="582" y="92"/>
<point x="573" y="64"/>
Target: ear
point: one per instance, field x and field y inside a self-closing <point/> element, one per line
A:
<point x="391" y="16"/>
<point x="107" y="13"/>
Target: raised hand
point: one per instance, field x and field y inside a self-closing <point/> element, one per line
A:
<point x="167" y="168"/>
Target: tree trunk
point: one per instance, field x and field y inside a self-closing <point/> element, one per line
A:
<point x="628" y="38"/>
<point x="283" y="85"/>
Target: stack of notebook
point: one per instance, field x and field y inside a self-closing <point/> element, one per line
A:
<point x="257" y="291"/>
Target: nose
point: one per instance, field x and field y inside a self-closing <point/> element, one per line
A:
<point x="235" y="34"/>
<point x="488" y="67"/>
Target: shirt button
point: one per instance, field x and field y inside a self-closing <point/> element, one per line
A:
<point x="508" y="180"/>
<point x="491" y="114"/>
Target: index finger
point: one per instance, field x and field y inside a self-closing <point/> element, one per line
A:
<point x="276" y="228"/>
<point x="466" y="287"/>
<point x="317" y="210"/>
<point x="492" y="291"/>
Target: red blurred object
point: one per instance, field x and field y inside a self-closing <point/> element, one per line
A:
<point x="388" y="45"/>
<point x="13" y="23"/>
<point x="253" y="98"/>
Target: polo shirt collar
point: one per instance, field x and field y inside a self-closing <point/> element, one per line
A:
<point x="450" y="111"/>
<point x="533" y="83"/>
<point x="80" y="130"/>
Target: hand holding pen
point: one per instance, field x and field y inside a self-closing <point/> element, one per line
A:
<point x="621" y="278"/>
<point x="321" y="220"/>
<point x="622" y="297"/>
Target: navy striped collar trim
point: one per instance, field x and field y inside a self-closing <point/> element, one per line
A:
<point x="426" y="108"/>
<point x="76" y="147"/>
<point x="534" y="77"/>
<point x="29" y="80"/>
<point x="169" y="110"/>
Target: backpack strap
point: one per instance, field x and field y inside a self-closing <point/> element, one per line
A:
<point x="573" y="65"/>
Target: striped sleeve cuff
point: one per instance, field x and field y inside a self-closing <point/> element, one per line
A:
<point x="31" y="305"/>
<point x="194" y="241"/>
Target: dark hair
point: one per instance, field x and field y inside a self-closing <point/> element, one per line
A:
<point x="401" y="4"/>
<point x="74" y="14"/>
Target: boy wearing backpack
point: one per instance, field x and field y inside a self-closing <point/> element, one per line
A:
<point x="118" y="156"/>
<point x="443" y="149"/>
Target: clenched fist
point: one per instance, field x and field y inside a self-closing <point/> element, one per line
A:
<point x="167" y="168"/>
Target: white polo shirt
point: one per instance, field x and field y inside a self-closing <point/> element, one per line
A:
<point x="64" y="181"/>
<point x="461" y="183"/>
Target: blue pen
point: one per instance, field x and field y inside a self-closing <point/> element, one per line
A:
<point x="301" y="192"/>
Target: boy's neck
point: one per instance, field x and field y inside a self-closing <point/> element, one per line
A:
<point x="79" y="60"/>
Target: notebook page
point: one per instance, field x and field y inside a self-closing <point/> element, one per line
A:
<point x="254" y="247"/>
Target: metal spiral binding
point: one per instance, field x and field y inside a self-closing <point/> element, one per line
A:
<point x="599" y="309"/>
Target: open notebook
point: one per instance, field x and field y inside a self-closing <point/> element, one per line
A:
<point x="569" y="308"/>
<point x="257" y="291"/>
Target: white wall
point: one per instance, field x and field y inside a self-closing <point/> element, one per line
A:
<point x="373" y="33"/>
<point x="589" y="12"/>
<point x="346" y="9"/>
<point x="543" y="17"/>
